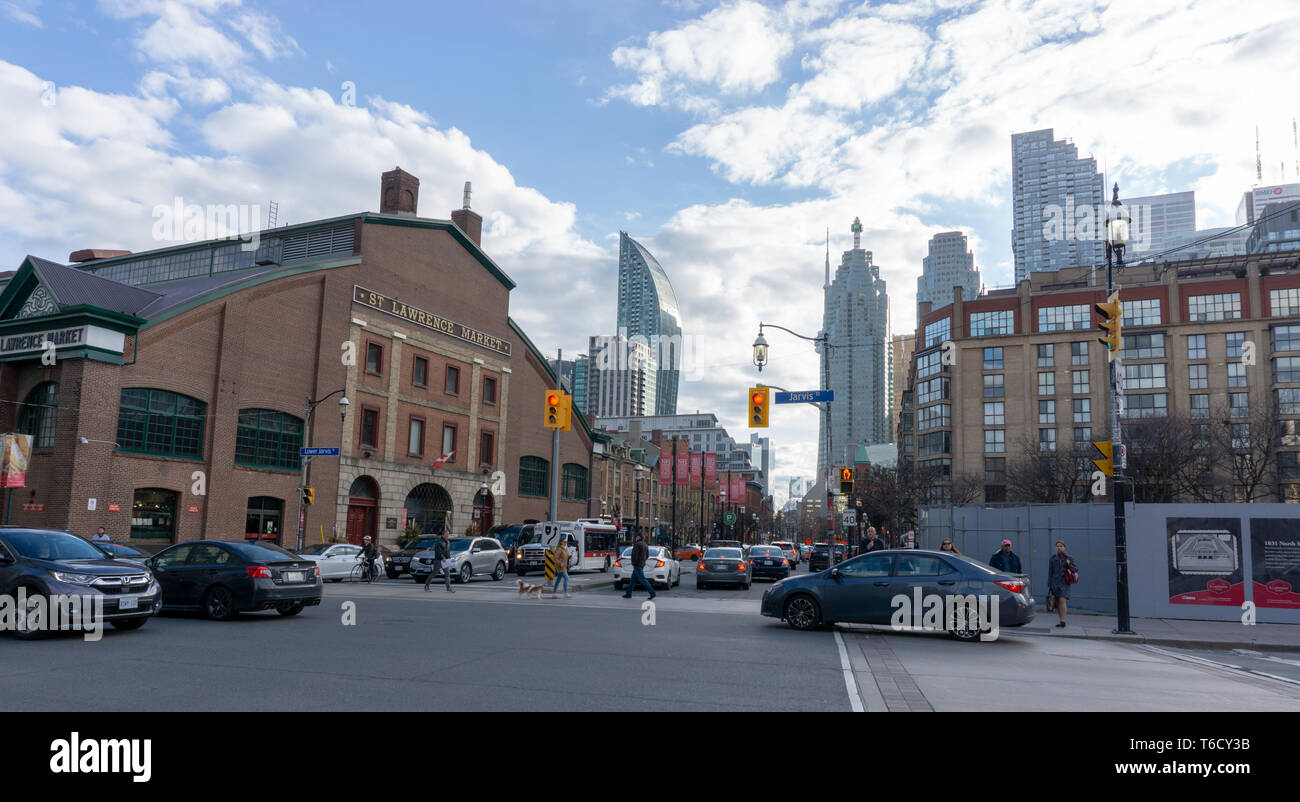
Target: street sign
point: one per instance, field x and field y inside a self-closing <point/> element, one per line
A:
<point x="1123" y="456"/>
<point x="729" y="518"/>
<point x="318" y="452"/>
<point x="850" y="518"/>
<point x="805" y="397"/>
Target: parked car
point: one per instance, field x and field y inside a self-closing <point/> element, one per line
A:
<point x="805" y="551"/>
<point x="691" y="551"/>
<point x="723" y="566"/>
<point x="768" y="562"/>
<point x="789" y="550"/>
<point x="222" y="579"/>
<point x="861" y="590"/>
<point x="46" y="563"/>
<point x="661" y="568"/>
<point x="818" y="557"/>
<point x="399" y="562"/>
<point x="336" y="560"/>
<point x="512" y="538"/>
<point x="473" y="556"/>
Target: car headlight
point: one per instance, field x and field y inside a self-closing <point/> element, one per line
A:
<point x="74" y="579"/>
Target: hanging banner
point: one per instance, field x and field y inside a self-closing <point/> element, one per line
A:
<point x="665" y="469"/>
<point x="737" y="494"/>
<point x="1275" y="562"/>
<point x="697" y="466"/>
<point x="683" y="466"/>
<point x="1205" y="561"/>
<point x="17" y="453"/>
<point x="711" y="467"/>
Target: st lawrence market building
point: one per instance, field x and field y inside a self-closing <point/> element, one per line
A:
<point x="182" y="383"/>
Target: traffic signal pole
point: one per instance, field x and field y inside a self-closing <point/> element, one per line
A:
<point x="1117" y="485"/>
<point x="554" y="507"/>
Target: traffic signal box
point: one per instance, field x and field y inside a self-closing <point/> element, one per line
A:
<point x="759" y="405"/>
<point x="558" y="413"/>
<point x="1107" y="463"/>
<point x="1112" y="311"/>
<point x="846" y="481"/>
<point x="308" y="495"/>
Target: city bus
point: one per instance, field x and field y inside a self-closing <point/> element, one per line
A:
<point x="591" y="546"/>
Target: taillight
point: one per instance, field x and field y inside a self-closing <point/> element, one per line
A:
<point x="659" y="564"/>
<point x="741" y="567"/>
<point x="701" y="567"/>
<point x="618" y="563"/>
<point x="785" y="561"/>
<point x="316" y="569"/>
<point x="1012" y="585"/>
<point x="260" y="571"/>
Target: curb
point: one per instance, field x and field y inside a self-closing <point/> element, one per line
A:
<point x="1178" y="643"/>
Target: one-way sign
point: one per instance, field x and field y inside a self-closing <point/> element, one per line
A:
<point x="318" y="452"/>
<point x="805" y="397"/>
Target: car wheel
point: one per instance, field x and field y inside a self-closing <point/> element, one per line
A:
<point x="678" y="581"/>
<point x="419" y="578"/>
<point x="465" y="573"/>
<point x="127" y="624"/>
<point x="220" y="605"/>
<point x="968" y="630"/>
<point x="747" y="584"/>
<point x="618" y="585"/>
<point x="802" y="612"/>
<point x="26" y="631"/>
<point x="606" y="568"/>
<point x="292" y="608"/>
<point x="699" y="585"/>
<point x="521" y="572"/>
<point x="337" y="579"/>
<point x="393" y="575"/>
<point x="500" y="573"/>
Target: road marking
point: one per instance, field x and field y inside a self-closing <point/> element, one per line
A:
<point x="1215" y="664"/>
<point x="849" y="682"/>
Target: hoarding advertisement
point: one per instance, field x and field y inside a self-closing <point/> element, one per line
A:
<point x="1275" y="562"/>
<point x="1205" y="561"/>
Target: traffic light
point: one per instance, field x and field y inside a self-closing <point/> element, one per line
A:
<point x="559" y="411"/>
<point x="1107" y="464"/>
<point x="846" y="481"/>
<point x="758" y="407"/>
<point x="308" y="495"/>
<point x="1112" y="311"/>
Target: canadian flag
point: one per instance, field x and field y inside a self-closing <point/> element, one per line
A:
<point x="440" y="461"/>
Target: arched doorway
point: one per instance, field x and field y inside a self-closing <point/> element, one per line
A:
<point x="363" y="509"/>
<point x="483" y="507"/>
<point x="428" y="507"/>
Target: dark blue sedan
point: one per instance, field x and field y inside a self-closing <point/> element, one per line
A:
<point x="902" y="588"/>
<point x="769" y="562"/>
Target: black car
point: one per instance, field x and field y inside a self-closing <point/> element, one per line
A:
<point x="726" y="544"/>
<point x="769" y="562"/>
<point x="222" y="579"/>
<point x="512" y="538"/>
<point x="46" y="563"/>
<point x="399" y="562"/>
<point x="817" y="560"/>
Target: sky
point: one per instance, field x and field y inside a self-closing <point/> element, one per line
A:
<point x="726" y="137"/>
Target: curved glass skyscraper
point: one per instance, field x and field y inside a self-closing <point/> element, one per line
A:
<point x="647" y="307"/>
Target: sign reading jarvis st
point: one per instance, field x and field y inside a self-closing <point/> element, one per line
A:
<point x="411" y="314"/>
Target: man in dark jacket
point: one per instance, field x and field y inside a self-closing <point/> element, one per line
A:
<point x="640" y="553"/>
<point x="441" y="553"/>
<point x="874" y="543"/>
<point x="1005" y="559"/>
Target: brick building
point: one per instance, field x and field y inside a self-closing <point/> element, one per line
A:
<point x="175" y="399"/>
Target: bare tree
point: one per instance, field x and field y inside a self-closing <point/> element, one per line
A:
<point x="1247" y="440"/>
<point x="1048" y="475"/>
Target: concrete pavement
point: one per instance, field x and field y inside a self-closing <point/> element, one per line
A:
<point x="1169" y="632"/>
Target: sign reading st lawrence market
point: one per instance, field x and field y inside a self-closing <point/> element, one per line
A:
<point x="394" y="307"/>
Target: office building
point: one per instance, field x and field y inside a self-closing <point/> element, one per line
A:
<point x="1277" y="229"/>
<point x="647" y="308"/>
<point x="1057" y="198"/>
<point x="628" y="374"/>
<point x="1156" y="219"/>
<point x="949" y="264"/>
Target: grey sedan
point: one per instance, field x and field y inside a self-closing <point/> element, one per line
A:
<point x="895" y="587"/>
<point x="723" y="566"/>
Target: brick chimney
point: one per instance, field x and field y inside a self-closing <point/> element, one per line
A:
<point x="469" y="222"/>
<point x="399" y="192"/>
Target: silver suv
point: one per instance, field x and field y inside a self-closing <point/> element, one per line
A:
<point x="472" y="556"/>
<point x="789" y="550"/>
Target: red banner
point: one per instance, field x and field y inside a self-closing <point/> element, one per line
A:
<point x="665" y="469"/>
<point x="738" y="490"/>
<point x="683" y="466"/>
<point x="697" y="465"/>
<point x="711" y="467"/>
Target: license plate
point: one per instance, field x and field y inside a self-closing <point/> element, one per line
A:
<point x="128" y="604"/>
<point x="398" y="568"/>
<point x="293" y="576"/>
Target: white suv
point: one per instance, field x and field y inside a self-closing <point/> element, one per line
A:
<point x="472" y="556"/>
<point x="789" y="550"/>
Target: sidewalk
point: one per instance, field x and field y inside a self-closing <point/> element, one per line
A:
<point x="1167" y="632"/>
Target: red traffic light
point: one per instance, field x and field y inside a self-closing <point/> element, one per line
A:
<point x="758" y="398"/>
<point x="552" y="399"/>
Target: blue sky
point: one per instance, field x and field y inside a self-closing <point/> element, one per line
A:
<point x="725" y="136"/>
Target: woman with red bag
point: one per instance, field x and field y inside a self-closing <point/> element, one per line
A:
<point x="1062" y="572"/>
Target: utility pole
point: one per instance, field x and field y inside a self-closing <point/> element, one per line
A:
<point x="673" y="540"/>
<point x="1116" y="238"/>
<point x="554" y="508"/>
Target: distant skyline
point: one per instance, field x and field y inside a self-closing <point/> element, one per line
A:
<point x="724" y="137"/>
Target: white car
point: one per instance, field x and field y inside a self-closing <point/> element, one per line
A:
<point x="661" y="568"/>
<point x="789" y="550"/>
<point x="336" y="560"/>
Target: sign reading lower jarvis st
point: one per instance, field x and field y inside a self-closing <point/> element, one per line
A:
<point x="411" y="314"/>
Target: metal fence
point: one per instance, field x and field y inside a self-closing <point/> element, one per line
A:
<point x="1033" y="529"/>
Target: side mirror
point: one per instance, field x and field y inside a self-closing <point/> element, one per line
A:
<point x="835" y="573"/>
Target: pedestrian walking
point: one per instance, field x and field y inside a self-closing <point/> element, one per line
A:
<point x="640" y="553"/>
<point x="101" y="536"/>
<point x="561" y="569"/>
<point x="947" y="546"/>
<point x="1004" y="559"/>
<point x="1062" y="572"/>
<point x="442" y="559"/>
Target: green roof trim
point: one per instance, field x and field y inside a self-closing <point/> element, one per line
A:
<point x="442" y="225"/>
<point x="546" y="365"/>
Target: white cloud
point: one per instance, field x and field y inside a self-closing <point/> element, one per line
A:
<point x="22" y="12"/>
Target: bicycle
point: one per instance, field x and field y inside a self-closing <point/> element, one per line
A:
<point x="364" y="571"/>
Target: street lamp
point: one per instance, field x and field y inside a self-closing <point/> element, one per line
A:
<point x="1117" y="223"/>
<point x="760" y="350"/>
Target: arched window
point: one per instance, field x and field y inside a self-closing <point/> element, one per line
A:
<point x="39" y="414"/>
<point x="575" y="482"/>
<point x="533" y="475"/>
<point x="268" y="439"/>
<point x="162" y="423"/>
<point x="428" y="507"/>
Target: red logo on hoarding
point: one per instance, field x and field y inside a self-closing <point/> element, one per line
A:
<point x="1278" y="587"/>
<point x="114" y="507"/>
<point x="194" y="508"/>
<point x="1219" y="585"/>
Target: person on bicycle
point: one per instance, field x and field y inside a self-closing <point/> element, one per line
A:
<point x="442" y="558"/>
<point x="367" y="557"/>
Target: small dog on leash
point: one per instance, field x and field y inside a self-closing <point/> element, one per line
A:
<point x="526" y="590"/>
